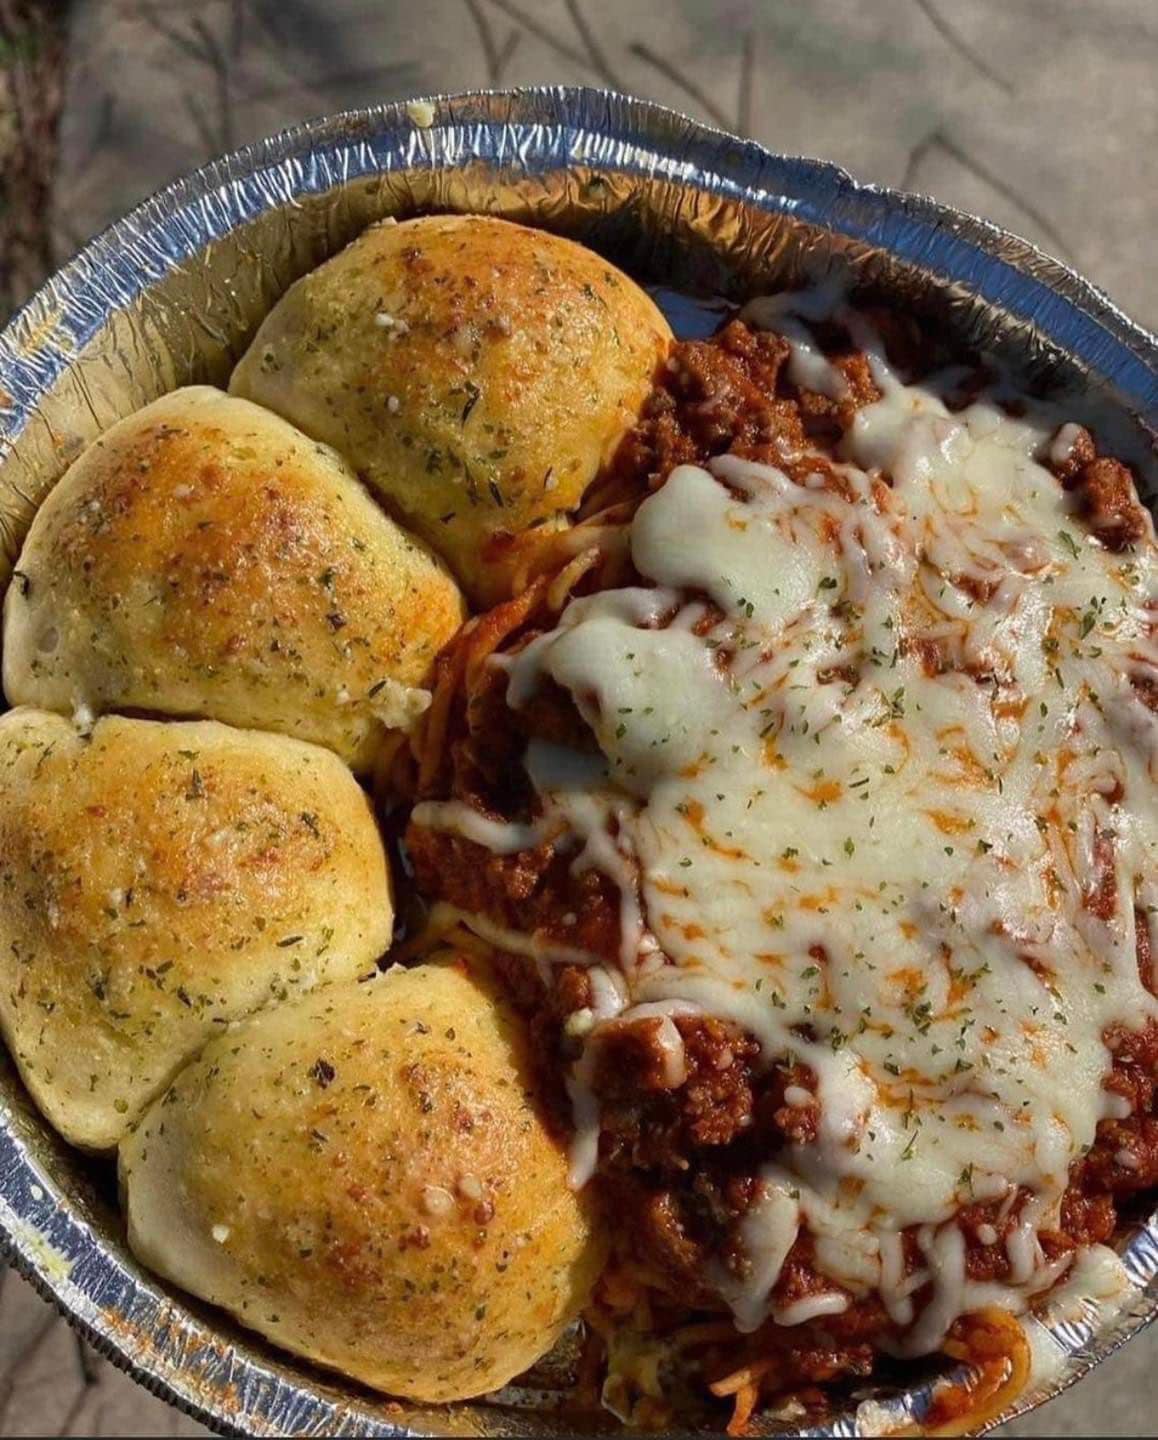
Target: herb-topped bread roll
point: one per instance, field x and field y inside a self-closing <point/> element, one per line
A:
<point x="204" y="558"/>
<point x="474" y="371"/>
<point x="156" y="882"/>
<point x="365" y="1177"/>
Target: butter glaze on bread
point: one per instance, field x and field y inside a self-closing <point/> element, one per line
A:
<point x="364" y="1177"/>
<point x="205" y="559"/>
<point x="156" y="882"/>
<point x="475" y="372"/>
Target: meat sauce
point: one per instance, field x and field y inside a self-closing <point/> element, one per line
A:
<point x="680" y="1162"/>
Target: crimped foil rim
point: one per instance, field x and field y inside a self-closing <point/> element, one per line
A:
<point x="175" y="1349"/>
<point x="1131" y="365"/>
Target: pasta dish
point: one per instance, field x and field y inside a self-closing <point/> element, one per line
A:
<point x="748" y="947"/>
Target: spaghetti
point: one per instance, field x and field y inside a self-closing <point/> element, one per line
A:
<point x="815" y="769"/>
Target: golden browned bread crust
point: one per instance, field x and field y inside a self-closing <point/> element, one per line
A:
<point x="364" y="1177"/>
<point x="474" y="371"/>
<point x="156" y="882"/>
<point x="204" y="558"/>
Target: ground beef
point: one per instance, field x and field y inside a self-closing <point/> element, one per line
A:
<point x="647" y="1124"/>
<point x="716" y="396"/>
<point x="533" y="892"/>
<point x="1109" y="503"/>
<point x="825" y="420"/>
<point x="727" y="395"/>
<point x="1087" y="1219"/>
<point x="1082" y="452"/>
<point x="1124" y="1158"/>
<point x="665" y="1238"/>
<point x="1105" y="489"/>
<point x="834" y="1345"/>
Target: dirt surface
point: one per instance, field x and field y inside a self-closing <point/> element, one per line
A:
<point x="33" y="52"/>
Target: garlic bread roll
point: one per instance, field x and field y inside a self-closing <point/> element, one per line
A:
<point x="156" y="882"/>
<point x="474" y="371"/>
<point x="364" y="1177"/>
<point x="204" y="558"/>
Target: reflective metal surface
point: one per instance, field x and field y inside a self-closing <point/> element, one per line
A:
<point x="171" y="295"/>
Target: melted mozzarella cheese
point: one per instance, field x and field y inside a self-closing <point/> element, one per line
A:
<point x="875" y="870"/>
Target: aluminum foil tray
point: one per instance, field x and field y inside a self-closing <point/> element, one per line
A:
<point x="171" y="295"/>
